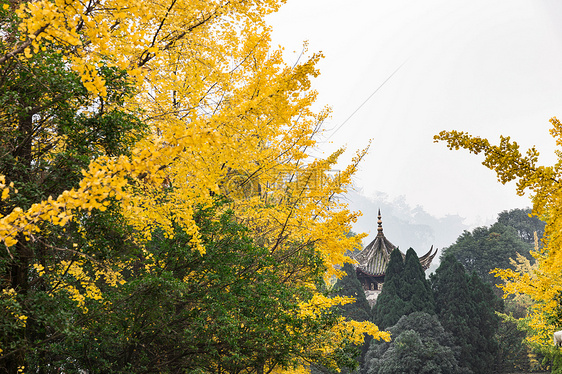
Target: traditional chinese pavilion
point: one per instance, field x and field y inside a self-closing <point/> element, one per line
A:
<point x="374" y="258"/>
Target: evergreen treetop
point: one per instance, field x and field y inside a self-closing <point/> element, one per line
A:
<point x="390" y="306"/>
<point x="466" y="307"/>
<point x="417" y="290"/>
<point x="405" y="290"/>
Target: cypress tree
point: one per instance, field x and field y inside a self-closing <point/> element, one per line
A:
<point x="417" y="289"/>
<point x="390" y="306"/>
<point x="419" y="345"/>
<point x="465" y="306"/>
<point x="405" y="290"/>
<point x="454" y="304"/>
<point x="487" y="322"/>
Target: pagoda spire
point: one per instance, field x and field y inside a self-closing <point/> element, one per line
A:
<point x="379" y="222"/>
<point x="373" y="260"/>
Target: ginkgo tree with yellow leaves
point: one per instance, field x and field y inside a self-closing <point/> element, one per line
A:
<point x="159" y="211"/>
<point x="539" y="283"/>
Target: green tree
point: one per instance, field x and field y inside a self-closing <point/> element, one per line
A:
<point x="487" y="248"/>
<point x="524" y="223"/>
<point x="420" y="345"/>
<point x="50" y="129"/>
<point x="390" y="306"/>
<point x="514" y="354"/>
<point x="350" y="286"/>
<point x="487" y="322"/>
<point x="405" y="290"/>
<point x="360" y="310"/>
<point x="417" y="289"/>
<point x="466" y="307"/>
<point x="228" y="310"/>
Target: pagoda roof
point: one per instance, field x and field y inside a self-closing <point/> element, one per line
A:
<point x="374" y="258"/>
<point x="426" y="259"/>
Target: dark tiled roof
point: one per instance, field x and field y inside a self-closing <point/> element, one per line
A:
<point x="374" y="258"/>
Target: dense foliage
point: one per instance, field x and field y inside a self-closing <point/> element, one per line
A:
<point x="349" y="286"/>
<point x="390" y="306"/>
<point x="360" y="310"/>
<point x="466" y="306"/>
<point x="417" y="289"/>
<point x="524" y="222"/>
<point x="487" y="248"/>
<point x="228" y="310"/>
<point x="419" y="345"/>
<point x="158" y="210"/>
<point x="406" y="290"/>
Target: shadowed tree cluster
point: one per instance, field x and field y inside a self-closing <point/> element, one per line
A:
<point x="406" y="290"/>
<point x="456" y="306"/>
<point x="524" y="222"/>
<point x="487" y="248"/>
<point x="420" y="344"/>
<point x="466" y="306"/>
<point x="350" y="286"/>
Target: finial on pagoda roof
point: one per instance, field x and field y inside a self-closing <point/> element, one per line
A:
<point x="380" y="224"/>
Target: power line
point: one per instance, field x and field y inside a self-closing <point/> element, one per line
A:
<point x="364" y="102"/>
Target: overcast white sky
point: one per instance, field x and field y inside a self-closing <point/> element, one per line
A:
<point x="486" y="67"/>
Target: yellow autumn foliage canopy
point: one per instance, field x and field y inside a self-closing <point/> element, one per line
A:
<point x="225" y="115"/>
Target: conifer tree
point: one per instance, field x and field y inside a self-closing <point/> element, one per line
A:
<point x="390" y="305"/>
<point x="417" y="290"/>
<point x="405" y="290"/>
<point x="487" y="303"/>
<point x="465" y="307"/>
<point x="420" y="344"/>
